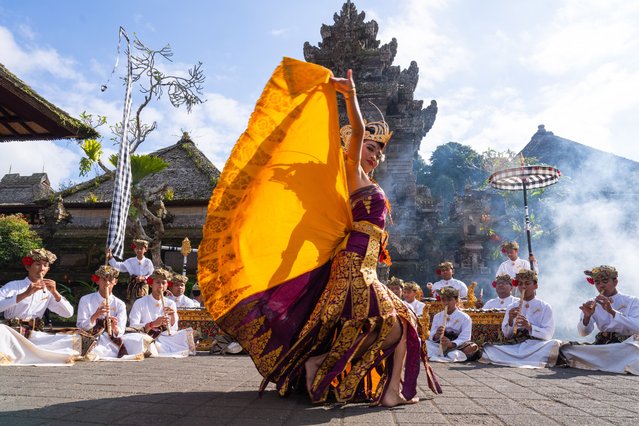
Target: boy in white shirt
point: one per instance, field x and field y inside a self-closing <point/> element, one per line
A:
<point x="514" y="263"/>
<point x="411" y="289"/>
<point x="451" y="331"/>
<point x="177" y="293"/>
<point x="446" y="270"/>
<point x="139" y="269"/>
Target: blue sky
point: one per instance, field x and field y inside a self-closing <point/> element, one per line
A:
<point x="497" y="68"/>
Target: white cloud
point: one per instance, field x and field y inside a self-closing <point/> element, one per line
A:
<point x="27" y="158"/>
<point x="421" y="38"/>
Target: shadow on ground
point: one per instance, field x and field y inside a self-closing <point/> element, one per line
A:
<point x="193" y="408"/>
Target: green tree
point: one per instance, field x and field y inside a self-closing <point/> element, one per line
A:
<point x="147" y="203"/>
<point x="16" y="238"/>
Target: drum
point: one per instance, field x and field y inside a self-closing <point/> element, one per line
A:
<point x="204" y="328"/>
<point x="486" y="323"/>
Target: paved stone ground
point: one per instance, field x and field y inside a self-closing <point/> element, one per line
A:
<point x="218" y="390"/>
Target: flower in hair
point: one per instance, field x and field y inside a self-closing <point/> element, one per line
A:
<point x="494" y="284"/>
<point x="132" y="246"/>
<point x="95" y="278"/>
<point x="149" y="281"/>
<point x="590" y="280"/>
<point x="27" y="261"/>
<point x="515" y="283"/>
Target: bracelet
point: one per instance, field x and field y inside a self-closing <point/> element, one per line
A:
<point x="350" y="94"/>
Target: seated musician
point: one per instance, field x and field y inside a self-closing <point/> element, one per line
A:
<point x="106" y="321"/>
<point x="177" y="293"/>
<point x="446" y="270"/>
<point x="396" y="285"/>
<point x="529" y="326"/>
<point x="24" y="302"/>
<point x="616" y="316"/>
<point x="450" y="331"/>
<point x="156" y="315"/>
<point x="514" y="263"/>
<point x="139" y="269"/>
<point x="503" y="285"/>
<point x="411" y="290"/>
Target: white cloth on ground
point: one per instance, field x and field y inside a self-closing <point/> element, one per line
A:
<point x="614" y="357"/>
<point x="15" y="349"/>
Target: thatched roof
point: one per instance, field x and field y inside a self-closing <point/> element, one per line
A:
<point x="23" y="190"/>
<point x="25" y="115"/>
<point x="191" y="175"/>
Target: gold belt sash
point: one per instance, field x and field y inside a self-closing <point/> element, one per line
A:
<point x="369" y="264"/>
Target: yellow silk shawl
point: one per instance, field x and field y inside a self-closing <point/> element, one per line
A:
<point x="280" y="207"/>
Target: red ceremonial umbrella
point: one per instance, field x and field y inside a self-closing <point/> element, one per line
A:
<point x="524" y="178"/>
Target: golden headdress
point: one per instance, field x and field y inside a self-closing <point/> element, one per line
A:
<point x="105" y="271"/>
<point x="179" y="278"/>
<point x="37" y="255"/>
<point x="449" y="292"/>
<point x="411" y="285"/>
<point x="377" y="131"/>
<point x="443" y="266"/>
<point x="503" y="278"/>
<point x="395" y="281"/>
<point x="601" y="272"/>
<point x="511" y="245"/>
<point x="525" y="275"/>
<point x="160" y="274"/>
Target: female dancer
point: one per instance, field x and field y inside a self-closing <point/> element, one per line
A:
<point x="343" y="334"/>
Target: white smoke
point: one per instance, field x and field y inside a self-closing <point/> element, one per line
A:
<point x="594" y="223"/>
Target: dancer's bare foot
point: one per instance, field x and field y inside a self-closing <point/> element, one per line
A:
<point x="392" y="399"/>
<point x="312" y="365"/>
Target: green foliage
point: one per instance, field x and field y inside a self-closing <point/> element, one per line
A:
<point x="91" y="198"/>
<point x="169" y="194"/>
<point x="16" y="238"/>
<point x="144" y="165"/>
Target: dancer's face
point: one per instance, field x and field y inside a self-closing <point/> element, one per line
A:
<point x="372" y="154"/>
<point x="513" y="254"/>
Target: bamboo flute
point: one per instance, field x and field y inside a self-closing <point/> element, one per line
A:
<point x="441" y="347"/>
<point x="168" y="320"/>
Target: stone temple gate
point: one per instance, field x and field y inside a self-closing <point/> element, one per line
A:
<point x="351" y="43"/>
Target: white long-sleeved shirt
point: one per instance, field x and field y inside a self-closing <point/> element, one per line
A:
<point x="89" y="304"/>
<point x="147" y="309"/>
<point x="458" y="322"/>
<point x="539" y="315"/>
<point x="459" y="285"/>
<point x="625" y="321"/>
<point x="511" y="267"/>
<point x="184" y="302"/>
<point x="133" y="266"/>
<point x="32" y="306"/>
<point x="498" y="303"/>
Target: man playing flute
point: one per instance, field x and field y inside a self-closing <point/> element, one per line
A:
<point x="616" y="316"/>
<point x="529" y="326"/>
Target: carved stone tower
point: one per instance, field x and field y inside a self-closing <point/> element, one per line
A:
<point x="351" y="43"/>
